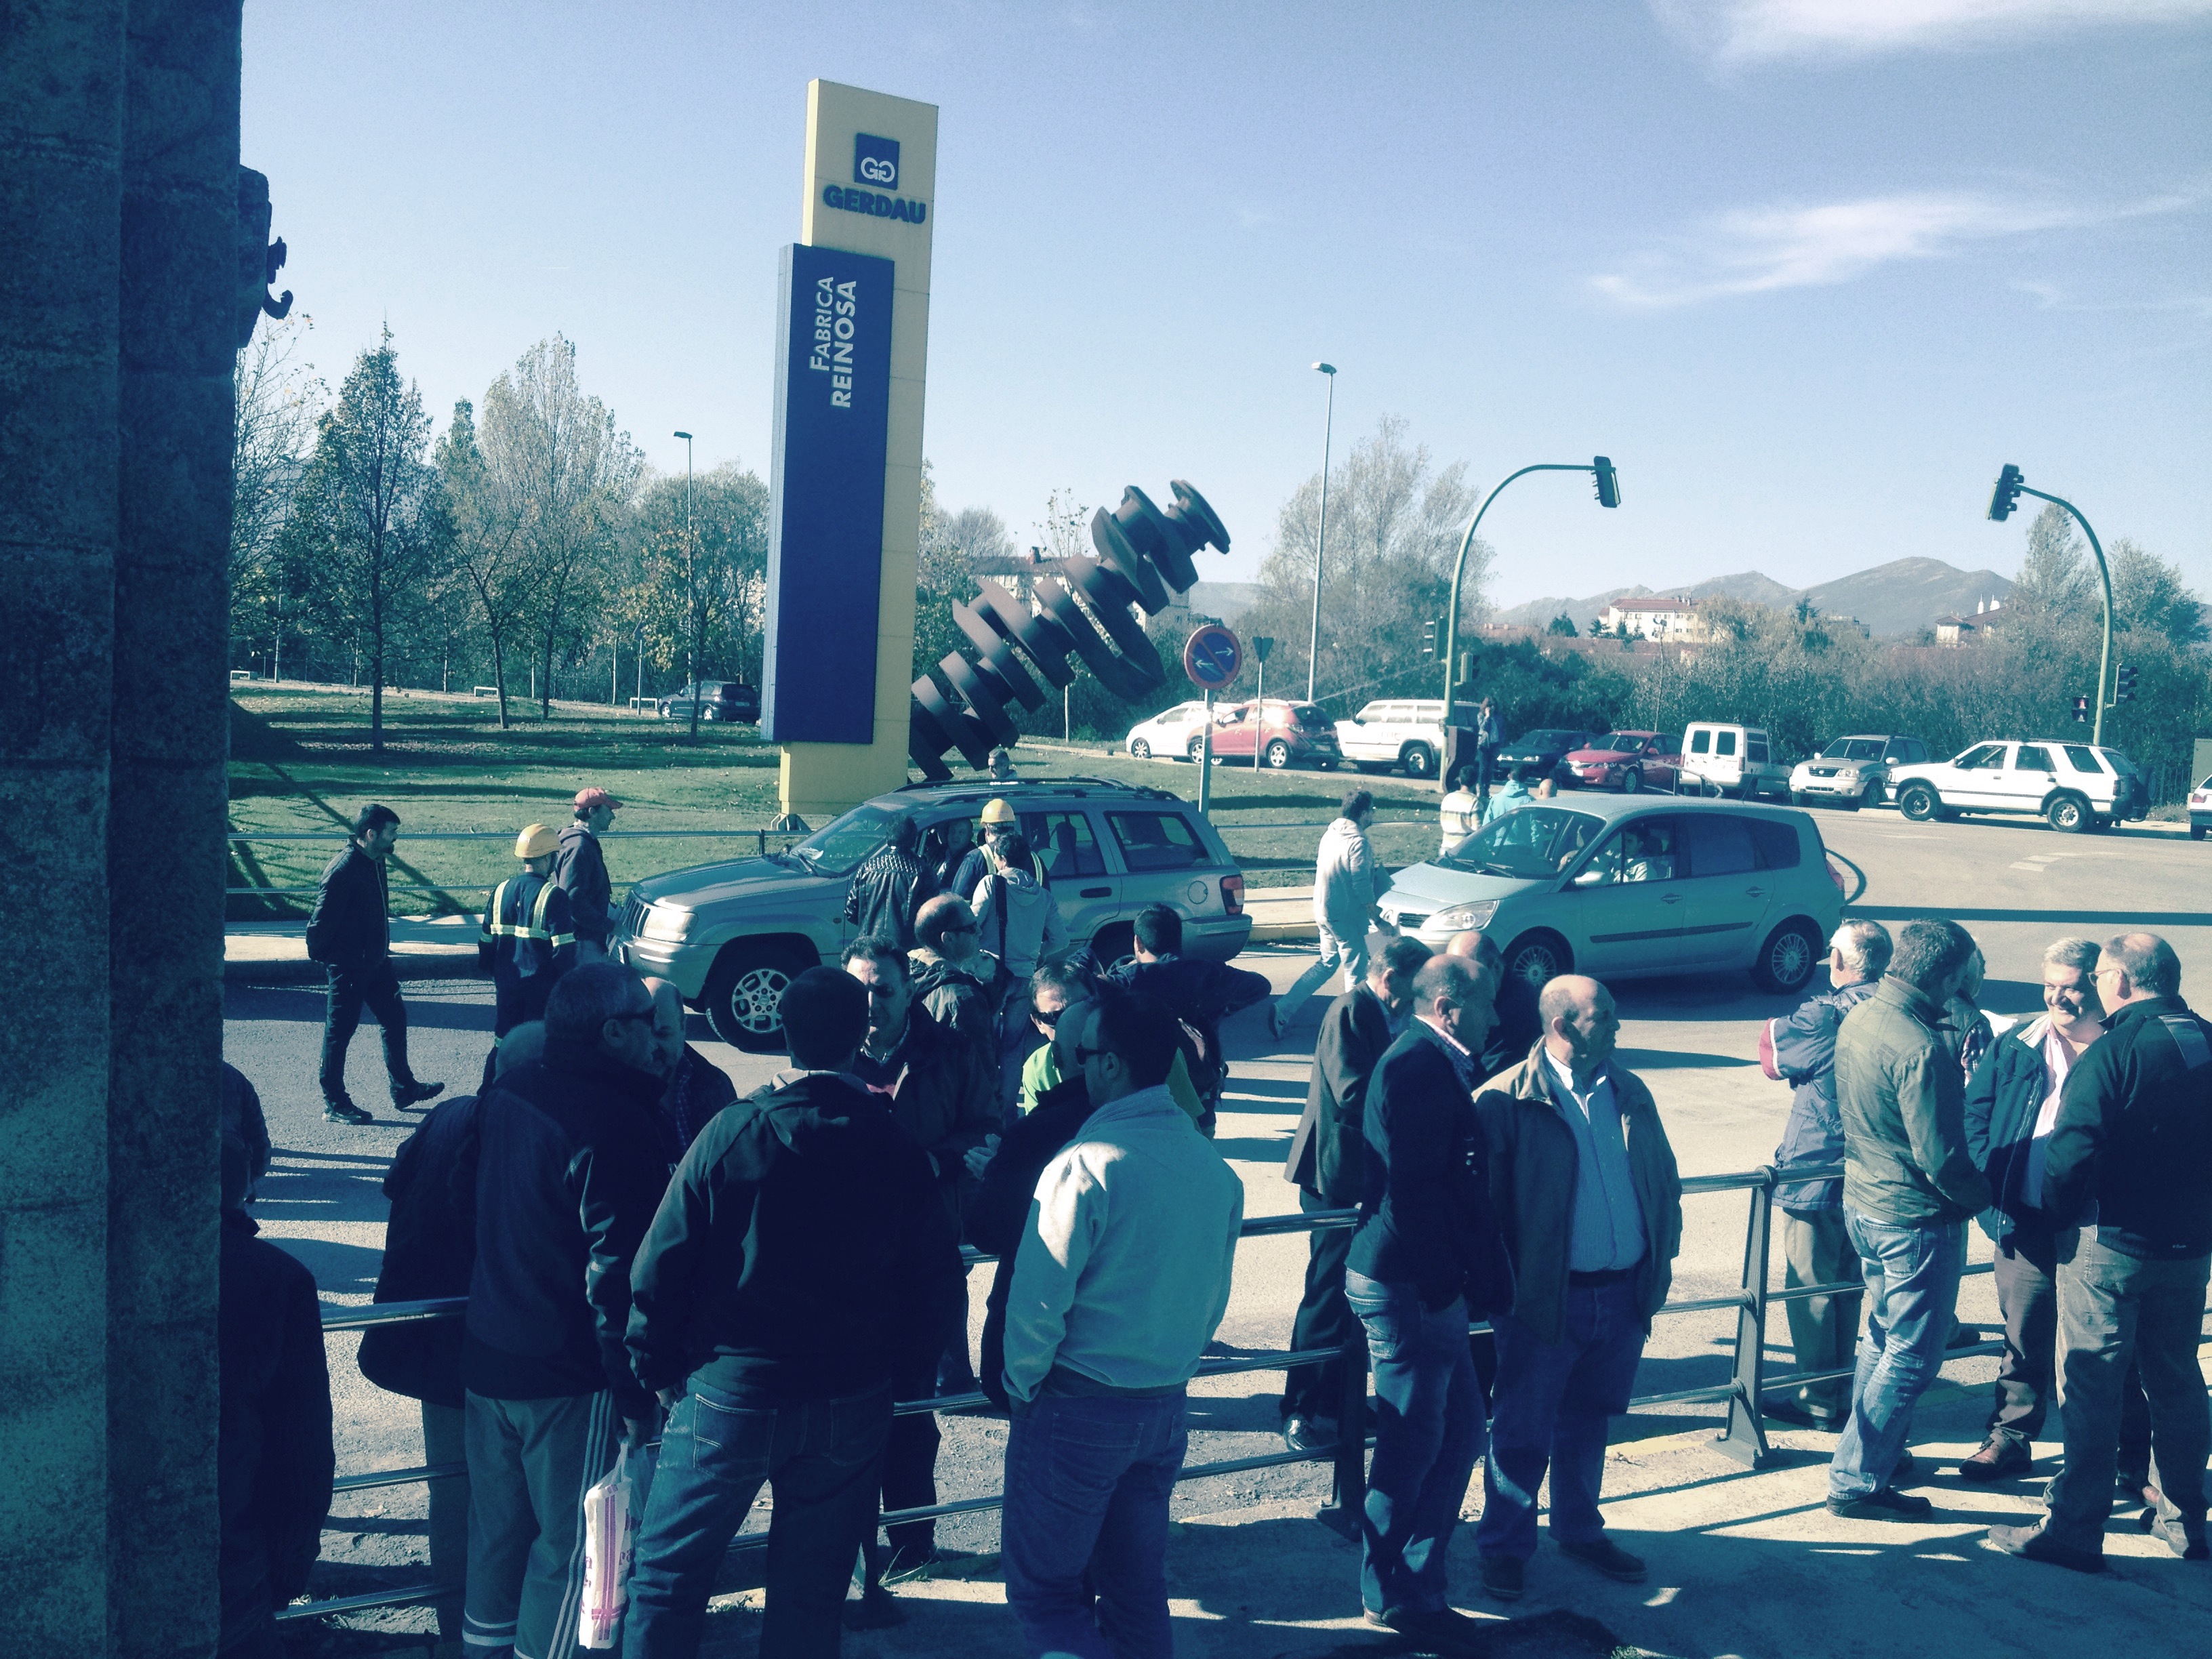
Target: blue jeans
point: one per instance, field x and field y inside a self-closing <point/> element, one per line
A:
<point x="1911" y="1288"/>
<point x="1552" y="1405"/>
<point x="1428" y="1433"/>
<point x="824" y="1458"/>
<point x="1083" y="1540"/>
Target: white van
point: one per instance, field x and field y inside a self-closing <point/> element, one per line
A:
<point x="1733" y="760"/>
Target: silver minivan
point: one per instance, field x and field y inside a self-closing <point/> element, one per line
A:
<point x="1629" y="886"/>
<point x="731" y="936"/>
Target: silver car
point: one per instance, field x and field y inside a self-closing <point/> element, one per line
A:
<point x="1632" y="885"/>
<point x="731" y="936"/>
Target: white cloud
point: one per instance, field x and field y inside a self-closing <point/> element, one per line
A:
<point x="1761" y="249"/>
<point x="1736" y="32"/>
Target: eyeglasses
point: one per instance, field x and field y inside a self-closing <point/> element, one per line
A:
<point x="2104" y="972"/>
<point x="1046" y="1018"/>
<point x="645" y="1014"/>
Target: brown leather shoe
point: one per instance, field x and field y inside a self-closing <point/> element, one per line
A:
<point x="2002" y="1457"/>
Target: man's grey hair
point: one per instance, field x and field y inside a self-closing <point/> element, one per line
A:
<point x="1929" y="953"/>
<point x="2149" y="961"/>
<point x="1864" y="946"/>
<point x="522" y="1045"/>
<point x="2079" y="954"/>
<point x="1453" y="977"/>
<point x="589" y="996"/>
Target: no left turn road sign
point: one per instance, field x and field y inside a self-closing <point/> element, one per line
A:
<point x="1212" y="657"/>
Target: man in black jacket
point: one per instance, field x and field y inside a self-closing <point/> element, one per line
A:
<point x="274" y="1458"/>
<point x="1327" y="1164"/>
<point x="580" y="866"/>
<point x="2133" y="1137"/>
<point x="801" y="1258"/>
<point x="1200" y="993"/>
<point x="350" y="933"/>
<point x="1516" y="1029"/>
<point x="1423" y="1262"/>
<point x="889" y="888"/>
<point x="570" y="1167"/>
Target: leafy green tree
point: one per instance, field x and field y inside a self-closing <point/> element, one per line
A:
<point x="370" y="520"/>
<point x="701" y="571"/>
<point x="1561" y="627"/>
<point x="2150" y="596"/>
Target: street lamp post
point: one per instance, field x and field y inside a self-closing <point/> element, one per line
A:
<point x="2011" y="486"/>
<point x="1608" y="494"/>
<point x="691" y="577"/>
<point x="1321" y="536"/>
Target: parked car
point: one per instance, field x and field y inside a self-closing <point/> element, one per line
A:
<point x="1405" y="734"/>
<point x="1634" y="885"/>
<point x="1854" y="771"/>
<point x="732" y="935"/>
<point x="1544" y="752"/>
<point x="1732" y="760"/>
<point x="1285" y="734"/>
<point x="2200" y="810"/>
<point x="2073" y="786"/>
<point x="1171" y="732"/>
<point x="1628" y="762"/>
<point x="718" y="700"/>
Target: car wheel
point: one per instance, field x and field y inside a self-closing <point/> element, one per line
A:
<point x="745" y="992"/>
<point x="2197" y="832"/>
<point x="2069" y="815"/>
<point x="1631" y="781"/>
<point x="1796" y="797"/>
<point x="1197" y="750"/>
<point x="1789" y="959"/>
<point x="1918" y="802"/>
<point x="1539" y="957"/>
<point x="1870" y="799"/>
<point x="1418" y="761"/>
<point x="1141" y="750"/>
<point x="1279" y="754"/>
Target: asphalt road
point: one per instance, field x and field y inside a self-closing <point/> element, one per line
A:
<point x="2014" y="886"/>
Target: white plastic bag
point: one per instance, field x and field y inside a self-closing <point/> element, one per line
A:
<point x="610" y="1542"/>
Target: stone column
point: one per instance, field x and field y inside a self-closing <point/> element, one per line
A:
<point x="118" y="160"/>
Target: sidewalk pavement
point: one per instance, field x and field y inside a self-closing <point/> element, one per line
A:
<point x="275" y="952"/>
<point x="1741" y="1563"/>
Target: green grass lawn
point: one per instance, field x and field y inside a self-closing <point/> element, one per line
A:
<point x="300" y="764"/>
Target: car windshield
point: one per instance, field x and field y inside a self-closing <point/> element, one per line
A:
<point x="1619" y="741"/>
<point x="1858" y="748"/>
<point x="1531" y="843"/>
<point x="1306" y="716"/>
<point x="835" y="849"/>
<point x="1545" y="740"/>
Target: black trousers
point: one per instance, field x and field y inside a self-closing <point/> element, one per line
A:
<point x="517" y="1001"/>
<point x="1325" y="1319"/>
<point x="910" y="1461"/>
<point x="378" y="987"/>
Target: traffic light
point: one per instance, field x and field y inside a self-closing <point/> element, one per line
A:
<point x="1430" y="642"/>
<point x="1608" y="481"/>
<point x="2123" y="683"/>
<point x="2006" y="494"/>
<point x="2082" y="710"/>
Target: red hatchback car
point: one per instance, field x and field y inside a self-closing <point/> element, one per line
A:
<point x="1286" y="733"/>
<point x="1628" y="762"/>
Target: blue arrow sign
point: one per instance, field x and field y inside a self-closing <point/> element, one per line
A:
<point x="1212" y="657"/>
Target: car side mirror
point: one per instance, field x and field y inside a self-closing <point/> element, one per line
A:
<point x="1587" y="878"/>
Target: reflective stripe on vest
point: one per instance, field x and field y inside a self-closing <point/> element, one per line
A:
<point x="502" y="928"/>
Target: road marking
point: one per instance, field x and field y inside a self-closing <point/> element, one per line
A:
<point x="2032" y="869"/>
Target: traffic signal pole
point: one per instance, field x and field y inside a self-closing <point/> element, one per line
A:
<point x="1608" y="495"/>
<point x="2010" y="484"/>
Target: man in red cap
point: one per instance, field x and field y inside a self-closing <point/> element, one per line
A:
<point x="581" y="870"/>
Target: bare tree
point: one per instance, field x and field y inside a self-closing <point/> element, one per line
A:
<point x="706" y="546"/>
<point x="556" y="454"/>
<point x="370" y="521"/>
<point x="487" y="552"/>
<point x="278" y="399"/>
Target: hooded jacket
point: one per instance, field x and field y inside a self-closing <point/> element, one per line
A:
<point x="1019" y="920"/>
<point x="801" y="1252"/>
<point x="1346" y="881"/>
<point x="1804" y="1044"/>
<point x="568" y="1165"/>
<point x="580" y="867"/>
<point x="1533" y="1167"/>
<point x="2134" y="1133"/>
<point x="429" y="1252"/>
<point x="942" y="1092"/>
<point x="954" y="995"/>
<point x="1901" y="1097"/>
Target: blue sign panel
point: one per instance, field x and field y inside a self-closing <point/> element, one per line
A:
<point x="1212" y="657"/>
<point x="826" y="515"/>
<point x="875" y="160"/>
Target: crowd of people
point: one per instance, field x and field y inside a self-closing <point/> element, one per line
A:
<point x="752" y="1284"/>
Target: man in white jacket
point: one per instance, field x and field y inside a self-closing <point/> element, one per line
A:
<point x="1119" y="1282"/>
<point x="1346" y="883"/>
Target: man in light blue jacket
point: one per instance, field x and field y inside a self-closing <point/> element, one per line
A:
<point x="1119" y="1282"/>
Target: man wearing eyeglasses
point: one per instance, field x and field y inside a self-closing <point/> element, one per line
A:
<point x="2134" y="1141"/>
<point x="569" y="1164"/>
<point x="1119" y="1281"/>
<point x="950" y="973"/>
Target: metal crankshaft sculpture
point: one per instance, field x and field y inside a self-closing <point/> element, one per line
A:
<point x="1143" y="551"/>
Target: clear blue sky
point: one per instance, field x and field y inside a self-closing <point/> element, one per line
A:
<point x="1807" y="269"/>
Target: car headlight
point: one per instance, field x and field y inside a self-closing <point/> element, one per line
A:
<point x="1847" y="775"/>
<point x="1463" y="918"/>
<point x="667" y="922"/>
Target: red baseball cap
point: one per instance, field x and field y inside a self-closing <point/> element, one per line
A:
<point x="587" y="799"/>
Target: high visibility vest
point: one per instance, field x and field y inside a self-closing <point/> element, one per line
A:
<point x="535" y="928"/>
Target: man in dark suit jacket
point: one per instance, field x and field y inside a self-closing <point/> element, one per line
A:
<point x="348" y="931"/>
<point x="1325" y="1163"/>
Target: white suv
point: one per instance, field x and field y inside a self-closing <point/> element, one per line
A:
<point x="2073" y="786"/>
<point x="1409" y="734"/>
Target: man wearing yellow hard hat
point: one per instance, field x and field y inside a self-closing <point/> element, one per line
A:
<point x="528" y="940"/>
<point x="1000" y="821"/>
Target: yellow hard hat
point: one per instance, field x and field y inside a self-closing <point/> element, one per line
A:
<point x="997" y="812"/>
<point x="536" y="841"/>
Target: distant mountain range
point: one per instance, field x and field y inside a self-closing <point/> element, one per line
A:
<point x="1899" y="598"/>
